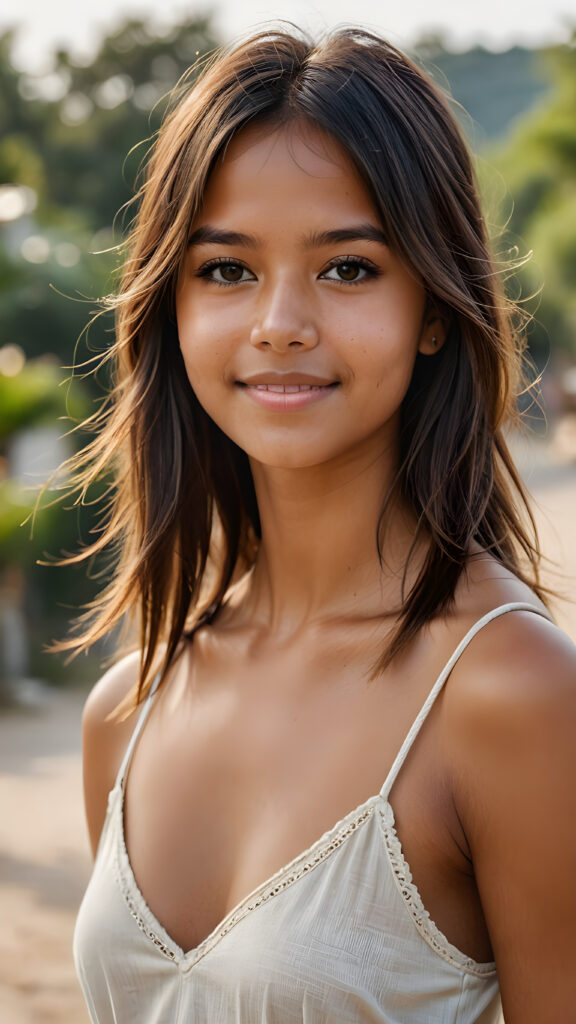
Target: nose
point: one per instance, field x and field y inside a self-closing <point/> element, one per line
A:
<point x="284" y="320"/>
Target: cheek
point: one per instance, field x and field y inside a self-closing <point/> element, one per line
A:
<point x="203" y="342"/>
<point x="386" y="353"/>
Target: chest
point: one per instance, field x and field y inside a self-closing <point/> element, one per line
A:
<point x="325" y="942"/>
<point x="227" y="787"/>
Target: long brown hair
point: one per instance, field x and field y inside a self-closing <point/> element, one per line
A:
<point x="182" y="518"/>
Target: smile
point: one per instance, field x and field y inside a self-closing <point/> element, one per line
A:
<point x="285" y="397"/>
<point x="288" y="389"/>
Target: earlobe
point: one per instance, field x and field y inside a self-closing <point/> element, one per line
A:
<point x="433" y="335"/>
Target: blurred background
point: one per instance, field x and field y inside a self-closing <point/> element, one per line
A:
<point x="81" y="94"/>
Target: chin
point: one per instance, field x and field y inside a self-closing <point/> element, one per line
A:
<point x="287" y="460"/>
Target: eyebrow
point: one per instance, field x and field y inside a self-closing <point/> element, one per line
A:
<point x="356" y="233"/>
<point x="209" y="235"/>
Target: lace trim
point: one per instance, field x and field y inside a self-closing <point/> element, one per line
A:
<point x="421" y="917"/>
<point x="271" y="890"/>
<point x="287" y="875"/>
<point x="148" y="932"/>
<point x="123" y="872"/>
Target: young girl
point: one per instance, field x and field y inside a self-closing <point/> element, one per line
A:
<point x="336" y="782"/>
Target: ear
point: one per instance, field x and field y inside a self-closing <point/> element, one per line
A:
<point x="435" y="326"/>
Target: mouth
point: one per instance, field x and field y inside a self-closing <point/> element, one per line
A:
<point x="282" y="393"/>
<point x="288" y="382"/>
<point x="287" y="389"/>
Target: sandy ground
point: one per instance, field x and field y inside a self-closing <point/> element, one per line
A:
<point x="44" y="862"/>
<point x="44" y="859"/>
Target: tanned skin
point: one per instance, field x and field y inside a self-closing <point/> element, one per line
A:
<point x="268" y="729"/>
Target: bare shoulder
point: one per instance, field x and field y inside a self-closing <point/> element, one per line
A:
<point x="510" y="705"/>
<point x="104" y="739"/>
<point x="518" y="666"/>
<point x="110" y="690"/>
<point x="510" y="729"/>
<point x="102" y="732"/>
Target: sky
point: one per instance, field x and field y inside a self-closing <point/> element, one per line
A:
<point x="496" y="24"/>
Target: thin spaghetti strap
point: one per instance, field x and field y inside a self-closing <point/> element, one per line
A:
<point x="429" y="702"/>
<point x="139" y="726"/>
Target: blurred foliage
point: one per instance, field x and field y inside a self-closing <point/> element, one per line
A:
<point x="34" y="395"/>
<point x="71" y="144"/>
<point x="77" y="137"/>
<point x="72" y="140"/>
<point x="108" y="108"/>
<point x="538" y="163"/>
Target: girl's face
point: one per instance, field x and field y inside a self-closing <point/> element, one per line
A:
<point x="298" y="325"/>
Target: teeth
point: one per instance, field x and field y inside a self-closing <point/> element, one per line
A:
<point x="288" y="389"/>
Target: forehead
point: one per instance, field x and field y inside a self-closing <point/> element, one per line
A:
<point x="296" y="165"/>
<point x="312" y="149"/>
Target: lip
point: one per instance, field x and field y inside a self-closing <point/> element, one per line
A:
<point x="286" y="392"/>
<point x="276" y="378"/>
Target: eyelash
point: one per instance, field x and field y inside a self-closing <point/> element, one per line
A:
<point x="221" y="261"/>
<point x="355" y="261"/>
<point x="207" y="268"/>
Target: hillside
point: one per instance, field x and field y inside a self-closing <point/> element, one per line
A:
<point x="493" y="88"/>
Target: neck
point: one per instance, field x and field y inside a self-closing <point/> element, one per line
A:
<point x="318" y="557"/>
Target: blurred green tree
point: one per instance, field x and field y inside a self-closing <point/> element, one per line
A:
<point x="76" y="137"/>
<point x="70" y="149"/>
<point x="31" y="399"/>
<point x="110" y="107"/>
<point x="538" y="163"/>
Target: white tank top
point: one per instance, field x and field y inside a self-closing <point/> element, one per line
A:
<point x="338" y="936"/>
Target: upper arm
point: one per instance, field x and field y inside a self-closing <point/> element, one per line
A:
<point x="515" y="722"/>
<point x="104" y="741"/>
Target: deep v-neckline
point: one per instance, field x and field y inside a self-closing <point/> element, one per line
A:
<point x="309" y="858"/>
<point x="286" y="876"/>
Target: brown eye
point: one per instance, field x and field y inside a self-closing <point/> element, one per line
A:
<point x="348" y="271"/>
<point x="230" y="271"/>
<point x="225" y="272"/>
